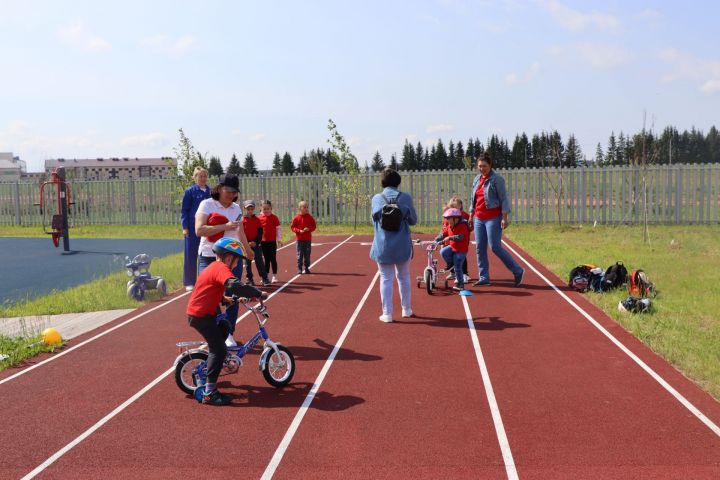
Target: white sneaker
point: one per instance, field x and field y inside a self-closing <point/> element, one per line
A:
<point x="386" y="318"/>
<point x="467" y="278"/>
<point x="188" y="288"/>
<point x="407" y="313"/>
<point x="230" y="341"/>
<point x="273" y="279"/>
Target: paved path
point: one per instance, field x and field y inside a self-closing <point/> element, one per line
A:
<point x="31" y="267"/>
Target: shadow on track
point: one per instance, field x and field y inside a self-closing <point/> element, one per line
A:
<point x="292" y="396"/>
<point x="322" y="353"/>
<point x="481" y="323"/>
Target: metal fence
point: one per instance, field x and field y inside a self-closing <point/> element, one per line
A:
<point x="676" y="194"/>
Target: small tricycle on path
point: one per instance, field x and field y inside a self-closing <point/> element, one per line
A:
<point x="432" y="272"/>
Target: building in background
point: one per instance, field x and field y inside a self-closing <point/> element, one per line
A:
<point x="113" y="168"/>
<point x="12" y="168"/>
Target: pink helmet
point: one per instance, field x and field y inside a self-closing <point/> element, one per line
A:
<point x="452" y="212"/>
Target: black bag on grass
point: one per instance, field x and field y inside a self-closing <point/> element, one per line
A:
<point x="615" y="276"/>
<point x="586" y="277"/>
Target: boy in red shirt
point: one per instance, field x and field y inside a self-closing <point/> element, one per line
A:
<point x="214" y="285"/>
<point x="457" y="234"/>
<point x="303" y="224"/>
<point x="252" y="226"/>
<point x="271" y="238"/>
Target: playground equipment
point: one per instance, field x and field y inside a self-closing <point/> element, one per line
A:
<point x="141" y="279"/>
<point x="59" y="222"/>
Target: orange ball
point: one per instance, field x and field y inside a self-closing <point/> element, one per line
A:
<point x="51" y="336"/>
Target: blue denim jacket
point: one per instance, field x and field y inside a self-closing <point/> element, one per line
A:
<point x="190" y="203"/>
<point x="495" y="194"/>
<point x="392" y="247"/>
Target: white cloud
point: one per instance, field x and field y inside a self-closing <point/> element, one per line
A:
<point x="78" y="36"/>
<point x="577" y="21"/>
<point x="684" y="66"/>
<point x="517" y="79"/>
<point x="650" y="13"/>
<point x="256" y="137"/>
<point x="146" y="140"/>
<point x="596" y="55"/>
<point x="166" y="45"/>
<point x="441" y="127"/>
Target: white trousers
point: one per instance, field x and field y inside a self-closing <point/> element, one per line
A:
<point x="402" y="272"/>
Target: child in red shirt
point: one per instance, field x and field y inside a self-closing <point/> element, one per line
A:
<point x="457" y="234"/>
<point x="271" y="238"/>
<point x="456" y="202"/>
<point x="252" y="226"/>
<point x="303" y="224"/>
<point x="215" y="285"/>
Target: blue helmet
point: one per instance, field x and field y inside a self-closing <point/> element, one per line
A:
<point x="229" y="245"/>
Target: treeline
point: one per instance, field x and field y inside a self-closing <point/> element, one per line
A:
<point x="546" y="149"/>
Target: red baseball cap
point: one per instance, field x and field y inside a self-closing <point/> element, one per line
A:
<point x="216" y="219"/>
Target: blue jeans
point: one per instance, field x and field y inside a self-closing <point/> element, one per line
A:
<point x="190" y="267"/>
<point x="489" y="231"/>
<point x="456" y="259"/>
<point x="232" y="310"/>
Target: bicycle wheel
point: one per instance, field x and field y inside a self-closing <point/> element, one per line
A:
<point x="186" y="368"/>
<point x="279" y="369"/>
<point x="429" y="284"/>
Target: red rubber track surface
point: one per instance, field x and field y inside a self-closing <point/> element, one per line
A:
<point x="401" y="400"/>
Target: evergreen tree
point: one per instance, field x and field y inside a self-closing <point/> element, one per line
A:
<point x="611" y="149"/>
<point x="234" y="167"/>
<point x="249" y="165"/>
<point x="408" y="160"/>
<point x="277" y="164"/>
<point x="316" y="162"/>
<point x="464" y="159"/>
<point x="377" y="163"/>
<point x="393" y="162"/>
<point x="215" y="168"/>
<point x="713" y="145"/>
<point x="599" y="156"/>
<point x="420" y="163"/>
<point x="478" y="147"/>
<point x="452" y="158"/>
<point x="471" y="151"/>
<point x="287" y="165"/>
<point x="331" y="162"/>
<point x="440" y="159"/>
<point x="519" y="152"/>
<point x="304" y="164"/>
<point x="573" y="153"/>
<point x="621" y="150"/>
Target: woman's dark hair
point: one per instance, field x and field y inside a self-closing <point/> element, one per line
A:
<point x="485" y="157"/>
<point x="215" y="193"/>
<point x="389" y="178"/>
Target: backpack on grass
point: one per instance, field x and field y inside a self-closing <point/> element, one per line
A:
<point x="586" y="277"/>
<point x="640" y="285"/>
<point x="391" y="215"/>
<point x="634" y="305"/>
<point x="615" y="276"/>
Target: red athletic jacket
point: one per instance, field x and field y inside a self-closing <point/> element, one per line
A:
<point x="460" y="229"/>
<point x="253" y="228"/>
<point x="301" y="221"/>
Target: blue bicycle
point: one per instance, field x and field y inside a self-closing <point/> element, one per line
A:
<point x="277" y="364"/>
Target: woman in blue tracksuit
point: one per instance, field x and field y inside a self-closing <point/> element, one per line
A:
<point x="490" y="216"/>
<point x="195" y="194"/>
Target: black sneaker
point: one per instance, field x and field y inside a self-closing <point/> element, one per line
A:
<point x="266" y="283"/>
<point x="459" y="287"/>
<point x="519" y="278"/>
<point x="299" y="272"/>
<point x="482" y="283"/>
<point x="215" y="398"/>
<point x="250" y="282"/>
<point x="307" y="271"/>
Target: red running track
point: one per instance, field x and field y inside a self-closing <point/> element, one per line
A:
<point x="400" y="400"/>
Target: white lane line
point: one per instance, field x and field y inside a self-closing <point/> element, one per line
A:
<point x="75" y="347"/>
<point x="494" y="408"/>
<point x="285" y="442"/>
<point x="678" y="396"/>
<point x="135" y="397"/>
<point x="95" y="427"/>
<point x="92" y="339"/>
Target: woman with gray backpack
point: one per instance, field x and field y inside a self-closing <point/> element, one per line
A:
<point x="393" y="213"/>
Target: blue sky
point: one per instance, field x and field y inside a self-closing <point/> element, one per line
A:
<point x="89" y="79"/>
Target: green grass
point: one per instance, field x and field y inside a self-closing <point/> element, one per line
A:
<point x="682" y="261"/>
<point x="166" y="232"/>
<point x="14" y="350"/>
